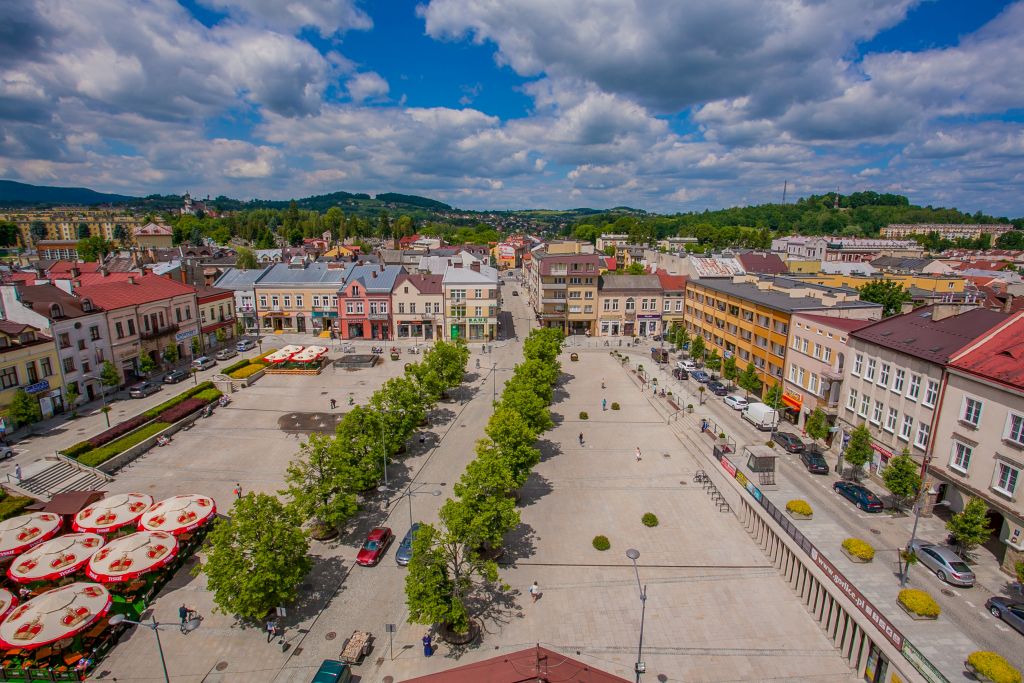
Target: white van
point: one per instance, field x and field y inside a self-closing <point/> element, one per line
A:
<point x="761" y="416"/>
<point x="687" y="365"/>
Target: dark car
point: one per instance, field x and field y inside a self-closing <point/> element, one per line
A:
<point x="515" y="293"/>
<point x="374" y="547"/>
<point x="858" y="495"/>
<point x="1010" y="611"/>
<point x="790" y="442"/>
<point x="717" y="388"/>
<point x="701" y="376"/>
<point x="813" y="461"/>
<point x="143" y="389"/>
<point x="404" y="553"/>
<point x="175" y="376"/>
<point x="332" y="671"/>
<point x="679" y="373"/>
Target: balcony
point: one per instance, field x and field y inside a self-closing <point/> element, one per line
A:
<point x="162" y="332"/>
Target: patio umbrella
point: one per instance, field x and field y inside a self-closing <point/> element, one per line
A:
<point x="131" y="556"/>
<point x="179" y="514"/>
<point x="55" y="558"/>
<point x="54" y="615"/>
<point x="7" y="602"/>
<point x="112" y="513"/>
<point x="18" y="534"/>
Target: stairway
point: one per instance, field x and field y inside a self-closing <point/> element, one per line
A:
<point x="60" y="477"/>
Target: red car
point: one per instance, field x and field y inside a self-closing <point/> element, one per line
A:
<point x="376" y="544"/>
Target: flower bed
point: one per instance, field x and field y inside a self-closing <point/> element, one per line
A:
<point x="186" y="407"/>
<point x="858" y="550"/>
<point x="201" y="387"/>
<point x="993" y="667"/>
<point x="104" y="453"/>
<point x="799" y="508"/>
<point x="246" y="371"/>
<point x="918" y="604"/>
<point x="12" y="506"/>
<point x="236" y="366"/>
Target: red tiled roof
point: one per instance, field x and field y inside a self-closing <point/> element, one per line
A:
<point x="672" y="283"/>
<point x="64" y="267"/>
<point x="982" y="265"/>
<point x="146" y="288"/>
<point x="205" y="293"/>
<point x="19" y="276"/>
<point x="425" y="284"/>
<point x="844" y="324"/>
<point x="999" y="356"/>
<point x="768" y="264"/>
<point x="609" y="262"/>
<point x="87" y="279"/>
<point x="916" y="334"/>
<point x="536" y="665"/>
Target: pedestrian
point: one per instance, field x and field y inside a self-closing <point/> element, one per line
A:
<point x="334" y="404"/>
<point x="703" y="425"/>
<point x="351" y="400"/>
<point x="271" y="629"/>
<point x="237" y="490"/>
<point x="638" y="454"/>
<point x="581" y="438"/>
<point x="17" y="472"/>
<point x="428" y="645"/>
<point x="183" y="615"/>
<point x="602" y="382"/>
<point x="535" y="591"/>
<point x="604" y="404"/>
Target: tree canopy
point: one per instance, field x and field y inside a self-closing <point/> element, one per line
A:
<point x="889" y="293"/>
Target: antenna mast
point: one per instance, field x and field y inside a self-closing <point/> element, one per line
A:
<point x="785" y="185"/>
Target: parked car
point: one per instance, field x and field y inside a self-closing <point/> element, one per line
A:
<point x="687" y="365"/>
<point x="761" y="416"/>
<point x="679" y="373"/>
<point x="814" y="462"/>
<point x="790" y="442"/>
<point x="245" y="345"/>
<point x="225" y="354"/>
<point x="6" y="452"/>
<point x="374" y="547"/>
<point x="701" y="376"/>
<point x="332" y="671"/>
<point x="946" y="564"/>
<point x="718" y="389"/>
<point x="404" y="553"/>
<point x="175" y="376"/>
<point x="1009" y="611"/>
<point x="736" y="402"/>
<point x="659" y="355"/>
<point x="203" y="363"/>
<point x="859" y="495"/>
<point x="143" y="389"/>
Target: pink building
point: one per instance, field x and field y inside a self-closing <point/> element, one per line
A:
<point x="364" y="302"/>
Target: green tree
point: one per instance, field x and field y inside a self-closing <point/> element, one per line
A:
<point x="71" y="392"/>
<point x="109" y="376"/>
<point x="37" y="230"/>
<point x="729" y="369"/>
<point x="9" y="234"/>
<point x="484" y="510"/>
<point x="749" y="381"/>
<point x="83" y="231"/>
<point x="970" y="528"/>
<point x="902" y="479"/>
<point x="121" y="234"/>
<point x="245" y="259"/>
<point x="523" y="398"/>
<point x="401" y="408"/>
<point x="146" y="364"/>
<point x="514" y="439"/>
<point x="635" y="269"/>
<point x="24" y="409"/>
<point x="427" y="380"/>
<point x="197" y="346"/>
<point x="221" y="335"/>
<point x="712" y="360"/>
<point x="682" y="339"/>
<point x="609" y="250"/>
<point x="697" y="347"/>
<point x="773" y="397"/>
<point x="858" y="450"/>
<point x="319" y="485"/>
<point x="817" y="426"/>
<point x="257" y="557"/>
<point x="93" y="248"/>
<point x="170" y="354"/>
<point x="889" y="293"/>
<point x="362" y="443"/>
<point x="448" y="360"/>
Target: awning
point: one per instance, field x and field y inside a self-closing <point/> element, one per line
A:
<point x="54" y="615"/>
<point x="55" y="558"/>
<point x="18" y="534"/>
<point x="792" y="402"/>
<point x="132" y="556"/>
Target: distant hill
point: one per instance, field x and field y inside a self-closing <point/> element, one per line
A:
<point x="412" y="200"/>
<point x="13" y="193"/>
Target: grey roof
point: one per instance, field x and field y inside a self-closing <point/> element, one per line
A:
<point x="627" y="282"/>
<point x="317" y="273"/>
<point x="383" y="282"/>
<point x="798" y="283"/>
<point x="779" y="300"/>
<point x="236" y="278"/>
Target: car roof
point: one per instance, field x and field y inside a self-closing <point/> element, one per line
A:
<point x="944" y="553"/>
<point x="378" y="532"/>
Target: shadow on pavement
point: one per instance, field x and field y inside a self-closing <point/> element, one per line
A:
<point x="519" y="545"/>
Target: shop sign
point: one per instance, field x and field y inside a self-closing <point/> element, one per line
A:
<point x="793" y="399"/>
<point x="881" y="450"/>
<point x="185" y="334"/>
<point x="478" y="321"/>
<point x="324" y="314"/>
<point x="647" y="316"/>
<point x="42" y="385"/>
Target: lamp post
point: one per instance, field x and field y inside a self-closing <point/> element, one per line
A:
<point x="410" y="492"/>
<point x="103" y="396"/>
<point x="913" y="537"/>
<point x="640" y="667"/>
<point x="155" y="627"/>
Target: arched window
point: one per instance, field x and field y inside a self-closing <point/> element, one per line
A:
<point x="86" y="305"/>
<point x="630" y="304"/>
<point x="56" y="311"/>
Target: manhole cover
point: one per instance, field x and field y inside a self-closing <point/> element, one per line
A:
<point x="221" y="666"/>
<point x="331" y="635"/>
<point x="946" y="591"/>
<point x="388" y="679"/>
<point x="682" y="483"/>
<point x="666" y="455"/>
<point x="876" y="532"/>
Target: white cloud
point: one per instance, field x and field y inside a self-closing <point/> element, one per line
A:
<point x="327" y="16"/>
<point x="367" y="85"/>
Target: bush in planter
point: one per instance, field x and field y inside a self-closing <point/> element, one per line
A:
<point x="601" y="542"/>
<point x="649" y="519"/>
<point x="919" y="602"/>
<point x="245" y="371"/>
<point x="994" y="667"/>
<point x="104" y="453"/>
<point x="583" y="415"/>
<point x="769" y="443"/>
<point x="799" y="507"/>
<point x="117" y="431"/>
<point x="860" y="549"/>
<point x="615" y="406"/>
<point x="182" y="410"/>
<point x="721" y="435"/>
<point x="235" y="366"/>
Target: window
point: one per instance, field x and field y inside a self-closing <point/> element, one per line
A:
<point x="9" y="377"/>
<point x="263" y="301"/>
<point x="914" y="390"/>
<point x="359" y="308"/>
<point x="858" y="364"/>
<point x="131" y="326"/>
<point x="33" y="375"/>
<point x="803" y="345"/>
<point x="373" y="308"/>
<point x="897" y="381"/>
<point x="1006" y="478"/>
<point x="401" y="308"/>
<point x="961" y="457"/>
<point x="298" y="301"/>
<point x="349" y="309"/>
<point x="81" y="345"/>
<point x="275" y="301"/>
<point x="869" y="374"/>
<point x="119" y="330"/>
<point x="923" y="431"/>
<point x="94" y="333"/>
<point x="316" y="298"/>
<point x="384" y="307"/>
<point x="667" y="307"/>
<point x="796" y="343"/>
<point x="865" y="403"/>
<point x="890" y="420"/>
<point x="44" y="363"/>
<point x="814" y="384"/>
<point x="828" y="355"/>
<point x="972" y="412"/>
<point x="800" y="375"/>
<point x="477" y="311"/>
<point x="792" y="373"/>
<point x="883" y="375"/>
<point x="412" y="307"/>
<point x="202" y="316"/>
<point x="931" y="393"/>
<point x="906" y="427"/>
<point x="287" y="301"/>
<point x="65" y="340"/>
<point x="479" y="293"/>
<point x="630" y="304"/>
<point x="876" y="414"/>
<point x="851" y="400"/>
<point x="69" y="365"/>
<point x="177" y="314"/>
<point x="1015" y="428"/>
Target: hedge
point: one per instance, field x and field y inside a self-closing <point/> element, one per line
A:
<point x="182" y="410"/>
<point x="993" y="667"/>
<point x="201" y="387"/>
<point x="246" y="371"/>
<point x="209" y="395"/>
<point x="101" y="455"/>
<point x="919" y="602"/>
<point x="12" y="506"/>
<point x="800" y="507"/>
<point x="78" y="449"/>
<point x="859" y="548"/>
<point x="117" y="431"/>
<point x="236" y="366"/>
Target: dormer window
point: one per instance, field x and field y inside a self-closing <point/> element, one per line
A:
<point x="355" y="290"/>
<point x="56" y="311"/>
<point x="86" y="305"/>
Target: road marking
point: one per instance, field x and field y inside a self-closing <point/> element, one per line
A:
<point x="971" y="603"/>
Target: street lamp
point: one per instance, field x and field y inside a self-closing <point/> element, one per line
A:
<point x="913" y="536"/>
<point x="410" y="492"/>
<point x="640" y="667"/>
<point x="103" y="396"/>
<point x="155" y="627"/>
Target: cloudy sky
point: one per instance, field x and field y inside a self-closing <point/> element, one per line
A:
<point x="667" y="105"/>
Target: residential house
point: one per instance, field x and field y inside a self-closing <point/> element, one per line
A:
<point x="762" y="263"/>
<point x="364" y="301"/>
<point x="28" y="360"/>
<point x="472" y="302"/>
<point x="77" y="326"/>
<point x="629" y="305"/>
<point x="673" y="293"/>
<point x="216" y="315"/>
<point x="610" y="240"/>
<point x="417" y="303"/>
<point x="894" y="374"/>
<point x="562" y="290"/>
<point x="154" y="235"/>
<point x="300" y="296"/>
<point x="978" y="450"/>
<point x="243" y="284"/>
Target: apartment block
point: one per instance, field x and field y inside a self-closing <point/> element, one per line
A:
<point x="949" y="231"/>
<point x="562" y="290"/>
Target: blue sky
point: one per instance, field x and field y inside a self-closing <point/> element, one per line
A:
<point x="662" y="105"/>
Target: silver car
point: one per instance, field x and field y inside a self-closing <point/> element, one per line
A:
<point x="946" y="564"/>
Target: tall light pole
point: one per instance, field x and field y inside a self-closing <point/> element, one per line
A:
<point x="103" y="396"/>
<point x="155" y="627"/>
<point x="640" y="667"/>
<point x="410" y="492"/>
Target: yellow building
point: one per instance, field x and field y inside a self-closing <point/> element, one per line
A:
<point x="28" y="360"/>
<point x="928" y="283"/>
<point x="72" y="224"/>
<point x="803" y="266"/>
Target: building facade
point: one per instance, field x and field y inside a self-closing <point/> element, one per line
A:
<point x="28" y="360"/>
<point x="472" y="301"/>
<point x="673" y="299"/>
<point x="243" y="285"/>
<point x="629" y="305"/>
<point x="364" y="302"/>
<point x="417" y="303"/>
<point x="300" y="296"/>
<point x="562" y="290"/>
<point x="216" y="316"/>
<point x="949" y="231"/>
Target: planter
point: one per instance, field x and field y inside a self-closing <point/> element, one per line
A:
<point x="452" y="638"/>
<point x="394" y="356"/>
<point x="574" y="356"/>
<point x="798" y="516"/>
<point x="978" y="676"/>
<point x="914" y="615"/>
<point x="852" y="557"/>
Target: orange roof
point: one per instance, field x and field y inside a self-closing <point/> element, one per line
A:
<point x="997" y="356"/>
<point x="536" y="665"/>
<point x="671" y="283"/>
<point x="64" y="267"/>
<point x="143" y="289"/>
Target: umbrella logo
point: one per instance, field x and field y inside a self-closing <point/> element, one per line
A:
<point x="186" y="517"/>
<point x="158" y="520"/>
<point x="156" y="552"/>
<point x="90" y="542"/>
<point x="101" y="555"/>
<point x="64" y="560"/>
<point x="86" y="513"/>
<point x="121" y="564"/>
<point x="28" y="533"/>
<point x="137" y="506"/>
<point x="28" y="565"/>
<point x="74" y="616"/>
<point x="91" y="591"/>
<point x="28" y="630"/>
<point x="106" y="518"/>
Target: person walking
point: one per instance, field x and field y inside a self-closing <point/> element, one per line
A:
<point x="183" y="615"/>
<point x="602" y="382"/>
<point x="237" y="491"/>
<point x="428" y="645"/>
<point x="581" y="438"/>
<point x="535" y="591"/>
<point x="334" y="404"/>
<point x="604" y="404"/>
<point x="17" y="472"/>
<point x="271" y="629"/>
<point x="638" y="454"/>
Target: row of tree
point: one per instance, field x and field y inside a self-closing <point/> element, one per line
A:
<point x="258" y="555"/>
<point x="451" y="559"/>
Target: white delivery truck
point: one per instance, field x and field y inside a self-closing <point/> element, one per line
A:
<point x="761" y="416"/>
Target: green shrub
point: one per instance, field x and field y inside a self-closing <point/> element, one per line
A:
<point x="919" y="602"/>
<point x="602" y="542"/>
<point x="583" y="415"/>
<point x="615" y="406"/>
<point x="209" y="395"/>
<point x="649" y="519"/>
<point x="12" y="506"/>
<point x="800" y="507"/>
<point x="77" y="449"/>
<point x="236" y="366"/>
<point x="721" y="435"/>
<point x="202" y="386"/>
<point x="104" y="453"/>
<point x="993" y="667"/>
<point x="860" y="549"/>
<point x="246" y="371"/>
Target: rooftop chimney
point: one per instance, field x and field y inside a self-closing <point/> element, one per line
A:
<point x="943" y="311"/>
<point x="475" y="265"/>
<point x="373" y="274"/>
<point x="75" y="272"/>
<point x="131" y="279"/>
<point x="1008" y="304"/>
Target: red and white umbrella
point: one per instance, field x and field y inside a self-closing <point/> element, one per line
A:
<point x="54" y="615"/>
<point x="112" y="513"/>
<point x="179" y="514"/>
<point x="131" y="556"/>
<point x="55" y="558"/>
<point x="18" y="534"/>
<point x="7" y="602"/>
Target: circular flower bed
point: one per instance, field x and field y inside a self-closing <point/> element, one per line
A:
<point x="993" y="667"/>
<point x="602" y="543"/>
<point x="859" y="549"/>
<point x="919" y="603"/>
